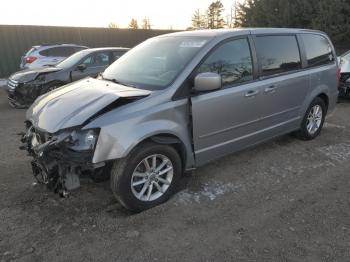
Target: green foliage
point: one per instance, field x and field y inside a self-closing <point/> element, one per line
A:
<point x="331" y="16"/>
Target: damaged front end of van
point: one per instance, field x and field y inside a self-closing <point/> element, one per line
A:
<point x="56" y="137"/>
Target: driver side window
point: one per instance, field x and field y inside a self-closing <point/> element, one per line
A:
<point x="95" y="60"/>
<point x="232" y="60"/>
<point x="88" y="61"/>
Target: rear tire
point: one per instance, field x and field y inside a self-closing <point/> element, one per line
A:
<point x="139" y="186"/>
<point x="313" y="121"/>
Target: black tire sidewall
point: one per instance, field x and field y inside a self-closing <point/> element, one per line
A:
<point x="122" y="172"/>
<point x="304" y="132"/>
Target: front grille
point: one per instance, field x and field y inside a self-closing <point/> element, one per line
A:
<point x="12" y="84"/>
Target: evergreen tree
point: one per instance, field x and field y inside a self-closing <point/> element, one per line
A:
<point x="331" y="16"/>
<point x="133" y="24"/>
<point x="215" y="19"/>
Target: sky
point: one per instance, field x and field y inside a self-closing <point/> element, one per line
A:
<point x="163" y="14"/>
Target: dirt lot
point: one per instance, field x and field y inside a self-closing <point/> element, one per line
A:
<point x="286" y="200"/>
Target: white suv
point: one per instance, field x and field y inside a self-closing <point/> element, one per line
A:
<point x="48" y="54"/>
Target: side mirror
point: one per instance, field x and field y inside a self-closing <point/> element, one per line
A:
<point x="81" y="67"/>
<point x="207" y="82"/>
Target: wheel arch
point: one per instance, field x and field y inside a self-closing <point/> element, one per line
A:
<point x="169" y="139"/>
<point x="325" y="98"/>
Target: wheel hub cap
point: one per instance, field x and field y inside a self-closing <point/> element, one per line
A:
<point x="314" y="119"/>
<point x="152" y="177"/>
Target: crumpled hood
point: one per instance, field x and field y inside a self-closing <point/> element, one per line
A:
<point x="30" y="74"/>
<point x="73" y="104"/>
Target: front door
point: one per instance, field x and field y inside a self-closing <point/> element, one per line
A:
<point x="95" y="64"/>
<point x="227" y="120"/>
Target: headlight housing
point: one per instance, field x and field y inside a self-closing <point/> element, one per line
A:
<point x="82" y="140"/>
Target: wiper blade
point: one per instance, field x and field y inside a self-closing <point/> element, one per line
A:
<point x="117" y="82"/>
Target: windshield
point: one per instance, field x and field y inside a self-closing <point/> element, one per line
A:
<point x="154" y="64"/>
<point x="72" y="60"/>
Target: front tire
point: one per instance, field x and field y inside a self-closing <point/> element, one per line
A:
<point x="147" y="177"/>
<point x="313" y="120"/>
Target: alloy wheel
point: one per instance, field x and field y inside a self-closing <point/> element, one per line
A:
<point x="152" y="177"/>
<point x="314" y="119"/>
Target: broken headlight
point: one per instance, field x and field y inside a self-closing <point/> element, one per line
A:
<point x="82" y="140"/>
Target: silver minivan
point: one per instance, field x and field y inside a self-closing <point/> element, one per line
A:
<point x="178" y="101"/>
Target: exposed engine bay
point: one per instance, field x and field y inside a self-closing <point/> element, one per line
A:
<point x="55" y="163"/>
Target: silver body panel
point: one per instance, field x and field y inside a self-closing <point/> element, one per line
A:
<point x="209" y="125"/>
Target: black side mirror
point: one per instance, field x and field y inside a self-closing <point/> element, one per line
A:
<point x="81" y="67"/>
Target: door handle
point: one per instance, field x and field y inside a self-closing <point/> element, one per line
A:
<point x="251" y="93"/>
<point x="270" y="89"/>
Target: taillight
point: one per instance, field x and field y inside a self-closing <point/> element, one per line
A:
<point x="338" y="74"/>
<point x="30" y="59"/>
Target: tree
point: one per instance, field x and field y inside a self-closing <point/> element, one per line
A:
<point x="133" y="24"/>
<point x="215" y="19"/>
<point x="112" y="25"/>
<point x="331" y="16"/>
<point x="146" y="23"/>
<point x="198" y="20"/>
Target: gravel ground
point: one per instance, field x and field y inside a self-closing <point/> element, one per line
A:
<point x="285" y="200"/>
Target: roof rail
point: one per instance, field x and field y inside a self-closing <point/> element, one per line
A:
<point x="48" y="44"/>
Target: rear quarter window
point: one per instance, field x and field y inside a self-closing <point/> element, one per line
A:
<point x="318" y="50"/>
<point x="278" y="54"/>
<point x="57" y="51"/>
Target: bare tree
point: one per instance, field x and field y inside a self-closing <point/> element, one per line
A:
<point x="146" y="23"/>
<point x="198" y="20"/>
<point x="112" y="25"/>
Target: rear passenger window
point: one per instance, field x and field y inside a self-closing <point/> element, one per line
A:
<point x="278" y="54"/>
<point x="232" y="61"/>
<point x="318" y="50"/>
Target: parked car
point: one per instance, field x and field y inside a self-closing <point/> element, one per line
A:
<point x="344" y="85"/>
<point x="178" y="101"/>
<point x="48" y="54"/>
<point x="25" y="86"/>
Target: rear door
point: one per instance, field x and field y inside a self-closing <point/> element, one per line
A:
<point x="227" y="120"/>
<point x="285" y="85"/>
<point x="321" y="62"/>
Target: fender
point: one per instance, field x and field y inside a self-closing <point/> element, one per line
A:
<point x="164" y="124"/>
